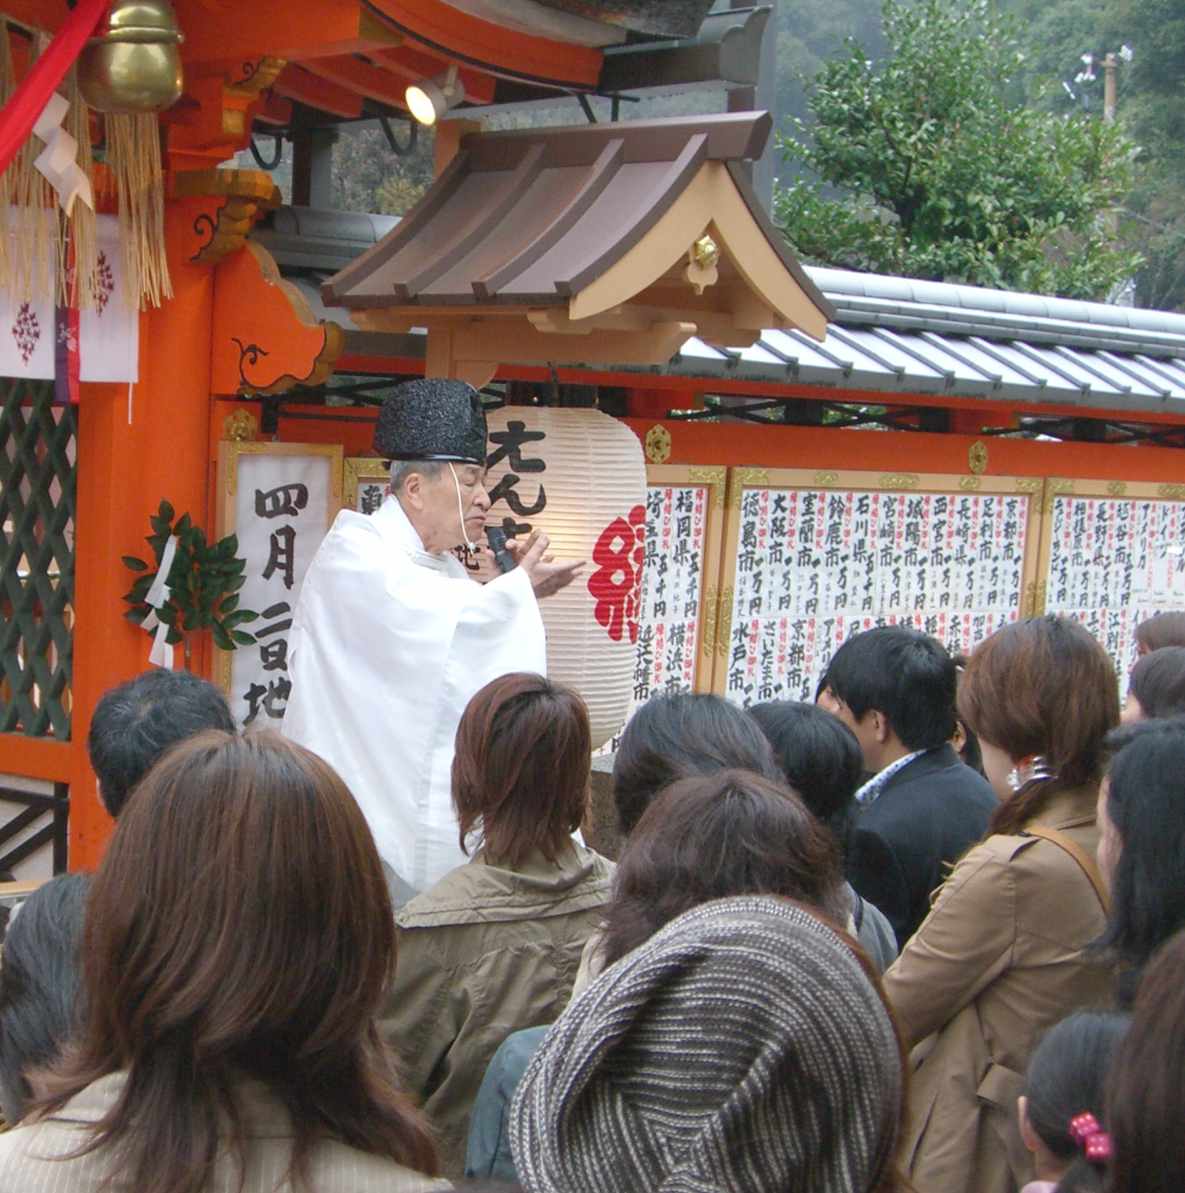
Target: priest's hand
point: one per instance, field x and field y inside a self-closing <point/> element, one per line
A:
<point x="546" y="575"/>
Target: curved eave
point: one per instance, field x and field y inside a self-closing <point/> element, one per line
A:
<point x="506" y="52"/>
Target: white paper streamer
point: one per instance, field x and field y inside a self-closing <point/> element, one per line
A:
<point x="161" y="654"/>
<point x="58" y="161"/>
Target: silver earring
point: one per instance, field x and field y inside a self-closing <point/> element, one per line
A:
<point x="1030" y="770"/>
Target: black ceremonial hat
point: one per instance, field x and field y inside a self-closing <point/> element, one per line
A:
<point x="432" y="419"/>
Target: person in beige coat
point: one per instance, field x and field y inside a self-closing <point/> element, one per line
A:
<point x="237" y="941"/>
<point x="1005" y="951"/>
<point x="494" y="946"/>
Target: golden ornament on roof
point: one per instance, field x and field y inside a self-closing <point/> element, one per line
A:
<point x="134" y="65"/>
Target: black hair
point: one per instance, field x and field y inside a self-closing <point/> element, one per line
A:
<point x="819" y="757"/>
<point x="136" y="722"/>
<point x="971" y="752"/>
<point x="1161" y="630"/>
<point x="40" y="999"/>
<point x="1068" y="1076"/>
<point x="1158" y="682"/>
<point x="678" y="737"/>
<point x="904" y="674"/>
<point x="1146" y="804"/>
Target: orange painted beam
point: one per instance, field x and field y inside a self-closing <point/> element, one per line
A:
<point x="354" y="429"/>
<point x="460" y="35"/>
<point x="352" y="73"/>
<point x="37" y="758"/>
<point x="736" y="444"/>
<point x="274" y="110"/>
<point x="297" y="83"/>
<point x="412" y="63"/>
<point x="221" y="30"/>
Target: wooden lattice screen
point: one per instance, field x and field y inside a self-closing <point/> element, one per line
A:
<point x="37" y="472"/>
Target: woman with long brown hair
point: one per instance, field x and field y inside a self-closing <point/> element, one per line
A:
<point x="237" y="943"/>
<point x="1145" y="1094"/>
<point x="1003" y="953"/>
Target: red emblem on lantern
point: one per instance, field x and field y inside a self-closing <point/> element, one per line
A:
<point x="616" y="585"/>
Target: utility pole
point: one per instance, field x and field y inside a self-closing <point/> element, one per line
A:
<point x="1110" y="68"/>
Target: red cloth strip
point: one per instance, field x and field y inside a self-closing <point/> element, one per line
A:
<point x="29" y="99"/>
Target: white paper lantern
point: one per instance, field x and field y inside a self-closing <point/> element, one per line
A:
<point x="579" y="476"/>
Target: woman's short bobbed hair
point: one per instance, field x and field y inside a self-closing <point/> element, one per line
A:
<point x="521" y="768"/>
<point x="1043" y="686"/>
<point x="1161" y="630"/>
<point x="1158" y="682"/>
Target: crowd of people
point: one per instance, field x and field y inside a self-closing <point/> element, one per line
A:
<point x="831" y="956"/>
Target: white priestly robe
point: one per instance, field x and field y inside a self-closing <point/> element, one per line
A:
<point x="388" y="646"/>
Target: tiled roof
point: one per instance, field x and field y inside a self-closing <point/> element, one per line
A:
<point x="890" y="334"/>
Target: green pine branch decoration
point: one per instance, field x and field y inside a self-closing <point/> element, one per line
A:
<point x="204" y="581"/>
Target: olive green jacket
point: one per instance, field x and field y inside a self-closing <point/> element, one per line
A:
<point x="484" y="952"/>
<point x="999" y="959"/>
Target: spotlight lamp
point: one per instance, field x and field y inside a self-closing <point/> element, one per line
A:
<point x="430" y="99"/>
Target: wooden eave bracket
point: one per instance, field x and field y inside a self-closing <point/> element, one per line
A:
<point x="711" y="205"/>
<point x="266" y="338"/>
<point x="226" y="204"/>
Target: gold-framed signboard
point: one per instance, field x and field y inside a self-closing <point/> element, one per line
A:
<point x="684" y="536"/>
<point x="279" y="499"/>
<point x="813" y="556"/>
<point x="1112" y="554"/>
<point x="364" y="483"/>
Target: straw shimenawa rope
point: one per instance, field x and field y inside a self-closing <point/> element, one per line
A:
<point x="28" y="246"/>
<point x="133" y="154"/>
<point x="78" y="271"/>
<point x="38" y="242"/>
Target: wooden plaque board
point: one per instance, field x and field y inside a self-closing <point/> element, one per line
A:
<point x="684" y="535"/>
<point x="1112" y="554"/>
<point x="812" y="557"/>
<point x="364" y="483"/>
<point x="279" y="499"/>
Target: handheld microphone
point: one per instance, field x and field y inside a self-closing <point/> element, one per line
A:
<point x="496" y="537"/>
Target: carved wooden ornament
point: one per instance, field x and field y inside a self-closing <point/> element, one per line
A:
<point x="266" y="338"/>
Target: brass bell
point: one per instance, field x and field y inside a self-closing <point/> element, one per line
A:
<point x="135" y="64"/>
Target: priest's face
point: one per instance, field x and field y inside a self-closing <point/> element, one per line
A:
<point x="446" y="513"/>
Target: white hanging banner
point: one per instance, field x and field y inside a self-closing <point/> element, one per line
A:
<point x="110" y="331"/>
<point x="109" y="347"/>
<point x="27" y="320"/>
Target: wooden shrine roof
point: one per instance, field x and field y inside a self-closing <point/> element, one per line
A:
<point x="535" y="216"/>
<point x="643" y="232"/>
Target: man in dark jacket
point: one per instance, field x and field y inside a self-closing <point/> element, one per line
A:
<point x="895" y="688"/>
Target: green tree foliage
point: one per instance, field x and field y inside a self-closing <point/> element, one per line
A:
<point x="809" y="32"/>
<point x="1152" y="104"/>
<point x="1151" y="107"/>
<point x="369" y="176"/>
<point x="925" y="165"/>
